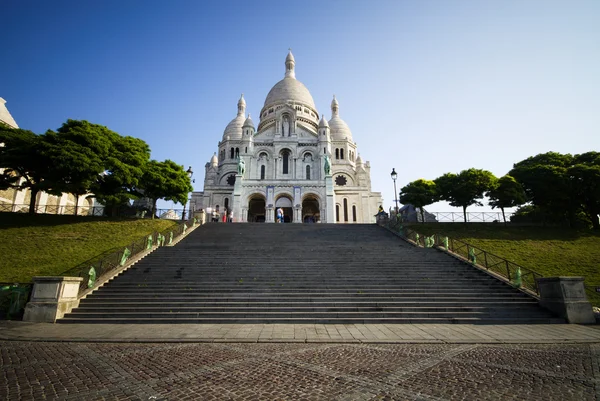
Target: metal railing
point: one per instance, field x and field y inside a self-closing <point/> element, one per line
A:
<point x="456" y="217"/>
<point x="103" y="265"/>
<point x="97" y="211"/>
<point x="513" y="273"/>
<point x="13" y="298"/>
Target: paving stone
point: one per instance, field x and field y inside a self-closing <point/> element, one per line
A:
<point x="303" y="371"/>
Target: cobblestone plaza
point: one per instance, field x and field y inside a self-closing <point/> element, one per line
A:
<point x="299" y="362"/>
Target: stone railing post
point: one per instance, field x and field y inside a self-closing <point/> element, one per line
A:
<point x="566" y="297"/>
<point x="51" y="298"/>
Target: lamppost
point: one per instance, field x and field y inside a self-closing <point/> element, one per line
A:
<point x="189" y="173"/>
<point x="394" y="176"/>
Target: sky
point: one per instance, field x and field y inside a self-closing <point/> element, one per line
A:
<point x="427" y="87"/>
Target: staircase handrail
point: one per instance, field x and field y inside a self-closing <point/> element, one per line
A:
<point x="98" y="267"/>
<point x="508" y="271"/>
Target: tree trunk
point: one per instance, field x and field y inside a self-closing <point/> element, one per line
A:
<point x="76" y="203"/>
<point x="465" y="213"/>
<point x="503" y="215"/>
<point x="153" y="208"/>
<point x="33" y="200"/>
<point x="422" y="216"/>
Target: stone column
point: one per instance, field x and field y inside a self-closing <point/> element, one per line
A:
<point x="52" y="297"/>
<point x="566" y="297"/>
<point x="330" y="200"/>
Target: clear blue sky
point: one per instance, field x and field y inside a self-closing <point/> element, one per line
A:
<point x="427" y="87"/>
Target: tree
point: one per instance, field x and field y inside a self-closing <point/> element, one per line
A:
<point x="465" y="188"/>
<point x="78" y="150"/>
<point x="419" y="193"/>
<point x="166" y="180"/>
<point x="585" y="182"/>
<point x="547" y="184"/>
<point x="25" y="163"/>
<point x="506" y="193"/>
<point x="123" y="170"/>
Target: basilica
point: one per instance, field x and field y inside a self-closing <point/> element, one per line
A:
<point x="293" y="160"/>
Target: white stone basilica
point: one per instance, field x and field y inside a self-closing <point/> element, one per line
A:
<point x="308" y="167"/>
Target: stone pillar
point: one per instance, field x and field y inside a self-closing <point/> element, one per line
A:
<point x="237" y="198"/>
<point x="566" y="297"/>
<point x="329" y="200"/>
<point x="52" y="297"/>
<point x="201" y="216"/>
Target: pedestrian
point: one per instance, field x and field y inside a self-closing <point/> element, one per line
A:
<point x="231" y="216"/>
<point x="280" y="215"/>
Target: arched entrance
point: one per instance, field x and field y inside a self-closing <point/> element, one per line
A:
<point x="286" y="204"/>
<point x="256" y="209"/>
<point x="310" y="210"/>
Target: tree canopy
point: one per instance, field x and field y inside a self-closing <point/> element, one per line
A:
<point x="419" y="193"/>
<point x="82" y="158"/>
<point x="506" y="193"/>
<point x="165" y="180"/>
<point x="465" y="188"/>
<point x="26" y="164"/>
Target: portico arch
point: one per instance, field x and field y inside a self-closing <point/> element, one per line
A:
<point x="311" y="213"/>
<point x="256" y="208"/>
<point x="285" y="202"/>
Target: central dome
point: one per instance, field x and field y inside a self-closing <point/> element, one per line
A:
<point x="289" y="89"/>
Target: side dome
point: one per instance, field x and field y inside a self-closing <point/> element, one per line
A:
<point x="234" y="128"/>
<point x="338" y="127"/>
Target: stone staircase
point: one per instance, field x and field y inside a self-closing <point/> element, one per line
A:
<point x="304" y="273"/>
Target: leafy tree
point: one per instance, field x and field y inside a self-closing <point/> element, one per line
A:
<point x="547" y="184"/>
<point x="123" y="170"/>
<point x="585" y="183"/>
<point x="419" y="193"/>
<point x="465" y="188"/>
<point x="166" y="180"/>
<point x="25" y="163"/>
<point x="506" y="193"/>
<point x="79" y="150"/>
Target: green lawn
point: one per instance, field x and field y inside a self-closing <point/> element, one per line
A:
<point x="551" y="251"/>
<point x="47" y="245"/>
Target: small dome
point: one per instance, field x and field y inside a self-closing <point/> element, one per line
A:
<point x="358" y="159"/>
<point x="214" y="159"/>
<point x="323" y="122"/>
<point x="248" y="122"/>
<point x="339" y="129"/>
<point x="234" y="128"/>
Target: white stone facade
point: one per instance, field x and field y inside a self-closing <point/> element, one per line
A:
<point x="282" y="163"/>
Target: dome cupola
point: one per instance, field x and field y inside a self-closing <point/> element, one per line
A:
<point x="339" y="129"/>
<point x="323" y="123"/>
<point x="248" y="123"/>
<point x="234" y="128"/>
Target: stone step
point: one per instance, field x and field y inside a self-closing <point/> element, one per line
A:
<point x="317" y="320"/>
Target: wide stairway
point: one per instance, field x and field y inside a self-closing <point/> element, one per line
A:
<point x="304" y="273"/>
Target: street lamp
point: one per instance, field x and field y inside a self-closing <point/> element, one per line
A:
<point x="394" y="176"/>
<point x="189" y="173"/>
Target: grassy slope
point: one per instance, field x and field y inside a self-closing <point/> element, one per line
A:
<point x="49" y="245"/>
<point x="551" y="251"/>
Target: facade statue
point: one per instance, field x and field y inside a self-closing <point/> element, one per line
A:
<point x="286" y="126"/>
<point x="327" y="166"/>
<point x="241" y="167"/>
